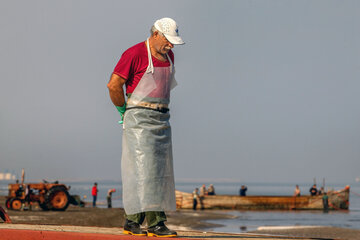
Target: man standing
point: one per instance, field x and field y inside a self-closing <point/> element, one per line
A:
<point x="211" y="190"/>
<point x="202" y="196"/>
<point x="242" y="191"/>
<point x="94" y="193"/>
<point x="325" y="200"/>
<point x="313" y="190"/>
<point x="195" y="197"/>
<point x="297" y="191"/>
<point x="108" y="197"/>
<point x="147" y="70"/>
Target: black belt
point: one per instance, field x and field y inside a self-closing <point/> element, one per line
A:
<point x="162" y="110"/>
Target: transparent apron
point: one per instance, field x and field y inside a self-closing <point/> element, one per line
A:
<point x="147" y="162"/>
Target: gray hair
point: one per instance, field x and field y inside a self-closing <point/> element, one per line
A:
<point x="153" y="30"/>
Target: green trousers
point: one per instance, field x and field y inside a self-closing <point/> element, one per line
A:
<point x="152" y="218"/>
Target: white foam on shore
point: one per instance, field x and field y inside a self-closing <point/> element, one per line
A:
<point x="179" y="228"/>
<point x="284" y="227"/>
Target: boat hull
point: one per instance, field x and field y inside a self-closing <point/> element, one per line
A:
<point x="338" y="200"/>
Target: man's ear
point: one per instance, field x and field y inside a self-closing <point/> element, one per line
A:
<point x="156" y="34"/>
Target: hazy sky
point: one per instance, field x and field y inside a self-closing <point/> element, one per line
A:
<point x="268" y="90"/>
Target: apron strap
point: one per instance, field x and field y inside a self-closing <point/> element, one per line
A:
<point x="150" y="67"/>
<point x="171" y="64"/>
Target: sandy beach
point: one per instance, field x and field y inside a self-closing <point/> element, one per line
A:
<point x="179" y="220"/>
<point x="114" y="217"/>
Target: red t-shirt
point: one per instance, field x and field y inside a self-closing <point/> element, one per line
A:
<point x="94" y="191"/>
<point x="133" y="64"/>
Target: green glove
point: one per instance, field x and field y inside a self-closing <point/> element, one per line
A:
<point x="121" y="110"/>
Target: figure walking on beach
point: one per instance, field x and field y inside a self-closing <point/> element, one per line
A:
<point x="94" y="192"/>
<point x="147" y="70"/>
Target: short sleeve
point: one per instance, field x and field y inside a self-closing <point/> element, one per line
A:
<point x="124" y="66"/>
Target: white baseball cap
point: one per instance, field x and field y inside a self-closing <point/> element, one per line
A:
<point x="168" y="27"/>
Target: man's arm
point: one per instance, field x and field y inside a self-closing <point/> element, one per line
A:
<point x="116" y="91"/>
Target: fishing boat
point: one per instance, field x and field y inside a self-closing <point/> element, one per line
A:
<point x="338" y="200"/>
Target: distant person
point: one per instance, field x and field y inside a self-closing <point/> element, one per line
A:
<point x="313" y="190"/>
<point x="211" y="190"/>
<point x="243" y="190"/>
<point x="203" y="190"/>
<point x="28" y="196"/>
<point x="20" y="191"/>
<point x="94" y="193"/>
<point x="297" y="191"/>
<point x="195" y="198"/>
<point x="325" y="200"/>
<point x="108" y="197"/>
<point x="321" y="191"/>
<point x="202" y="194"/>
<point x="76" y="200"/>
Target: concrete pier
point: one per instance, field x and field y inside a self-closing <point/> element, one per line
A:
<point x="53" y="232"/>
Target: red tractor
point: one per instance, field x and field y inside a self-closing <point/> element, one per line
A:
<point x="49" y="196"/>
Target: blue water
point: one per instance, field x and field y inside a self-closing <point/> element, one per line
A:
<point x="245" y="220"/>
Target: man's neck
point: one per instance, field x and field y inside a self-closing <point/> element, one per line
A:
<point x="154" y="52"/>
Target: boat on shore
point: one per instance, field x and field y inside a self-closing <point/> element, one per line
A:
<point x="338" y="200"/>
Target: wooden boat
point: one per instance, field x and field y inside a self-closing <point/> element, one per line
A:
<point x="338" y="200"/>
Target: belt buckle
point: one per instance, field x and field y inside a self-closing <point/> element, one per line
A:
<point x="160" y="109"/>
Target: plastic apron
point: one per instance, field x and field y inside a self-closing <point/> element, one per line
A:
<point x="147" y="162"/>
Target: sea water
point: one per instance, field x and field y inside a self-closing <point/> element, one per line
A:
<point x="243" y="220"/>
<point x="252" y="220"/>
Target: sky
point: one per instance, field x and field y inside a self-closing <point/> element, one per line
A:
<point x="268" y="91"/>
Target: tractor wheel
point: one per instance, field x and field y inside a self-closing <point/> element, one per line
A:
<point x="57" y="199"/>
<point x="15" y="203"/>
<point x="7" y="203"/>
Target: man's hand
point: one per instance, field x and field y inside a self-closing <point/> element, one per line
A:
<point x="121" y="110"/>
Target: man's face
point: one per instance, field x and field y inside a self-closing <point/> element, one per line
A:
<point x="162" y="45"/>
